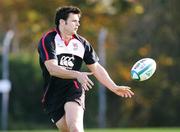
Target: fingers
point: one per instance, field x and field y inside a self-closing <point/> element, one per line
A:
<point x="85" y="87"/>
<point x="125" y="87"/>
<point x="88" y="73"/>
<point x="128" y="94"/>
<point x="85" y="81"/>
<point x="124" y="91"/>
<point x="132" y="93"/>
<point x="90" y="82"/>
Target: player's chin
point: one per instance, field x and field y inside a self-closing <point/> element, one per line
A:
<point x="74" y="32"/>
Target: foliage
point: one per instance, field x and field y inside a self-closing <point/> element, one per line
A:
<point x="26" y="85"/>
<point x="157" y="40"/>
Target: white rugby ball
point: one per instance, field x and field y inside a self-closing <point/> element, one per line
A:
<point x="143" y="69"/>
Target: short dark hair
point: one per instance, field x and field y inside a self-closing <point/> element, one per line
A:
<point x="63" y="13"/>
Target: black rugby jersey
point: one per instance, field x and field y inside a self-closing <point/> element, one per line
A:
<point x="69" y="55"/>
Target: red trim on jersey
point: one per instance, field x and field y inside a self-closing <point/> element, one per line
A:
<point x="45" y="50"/>
<point x="76" y="84"/>
<point x="44" y="95"/>
<point x="43" y="44"/>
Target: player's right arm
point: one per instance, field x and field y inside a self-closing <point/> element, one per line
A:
<point x="46" y="49"/>
<point x="58" y="71"/>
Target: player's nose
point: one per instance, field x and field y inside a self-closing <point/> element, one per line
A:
<point x="78" y="23"/>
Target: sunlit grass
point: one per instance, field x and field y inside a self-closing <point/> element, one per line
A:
<point x="113" y="130"/>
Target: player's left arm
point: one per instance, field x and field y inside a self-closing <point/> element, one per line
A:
<point x="103" y="77"/>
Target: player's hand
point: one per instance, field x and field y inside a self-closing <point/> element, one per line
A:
<point x="83" y="78"/>
<point x="123" y="91"/>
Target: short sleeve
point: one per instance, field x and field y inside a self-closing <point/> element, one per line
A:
<point x="90" y="56"/>
<point x="46" y="48"/>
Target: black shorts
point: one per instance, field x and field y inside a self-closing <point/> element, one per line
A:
<point x="59" y="113"/>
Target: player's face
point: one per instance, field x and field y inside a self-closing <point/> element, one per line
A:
<point x="72" y="23"/>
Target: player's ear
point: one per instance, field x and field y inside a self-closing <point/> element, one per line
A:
<point x="62" y="22"/>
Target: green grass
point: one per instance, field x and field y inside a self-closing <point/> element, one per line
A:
<point x="137" y="130"/>
<point x="114" y="130"/>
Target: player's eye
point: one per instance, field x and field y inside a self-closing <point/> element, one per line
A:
<point x="75" y="20"/>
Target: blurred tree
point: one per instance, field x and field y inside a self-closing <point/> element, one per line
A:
<point x="150" y="32"/>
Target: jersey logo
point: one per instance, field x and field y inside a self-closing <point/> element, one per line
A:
<point x="67" y="62"/>
<point x="75" y="46"/>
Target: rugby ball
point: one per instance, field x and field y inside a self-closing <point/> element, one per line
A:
<point x="143" y="69"/>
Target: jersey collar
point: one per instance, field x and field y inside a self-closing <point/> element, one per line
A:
<point x="65" y="41"/>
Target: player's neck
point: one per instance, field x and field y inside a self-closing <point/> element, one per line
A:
<point x="65" y="35"/>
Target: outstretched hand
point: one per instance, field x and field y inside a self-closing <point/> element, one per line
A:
<point x="123" y="91"/>
<point x="84" y="80"/>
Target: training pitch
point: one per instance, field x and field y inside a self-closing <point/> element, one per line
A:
<point x="113" y="130"/>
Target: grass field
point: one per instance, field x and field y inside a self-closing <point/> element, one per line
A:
<point x="114" y="130"/>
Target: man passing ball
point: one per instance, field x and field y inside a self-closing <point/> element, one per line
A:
<point x="61" y="54"/>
